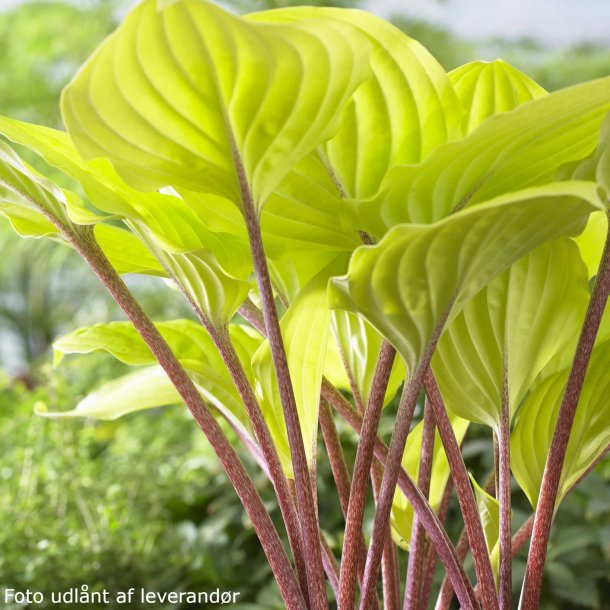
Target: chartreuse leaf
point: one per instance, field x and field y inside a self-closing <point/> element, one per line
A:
<point x="486" y="88"/>
<point x="302" y="215"/>
<point x="419" y="274"/>
<point x="146" y="388"/>
<point x="185" y="94"/>
<point x="591" y="241"/>
<point x="126" y="252"/>
<point x="171" y="228"/>
<point x="508" y="152"/>
<point x="216" y="294"/>
<point x="360" y="344"/>
<point x="175" y="224"/>
<point x="596" y="169"/>
<point x="28" y="199"/>
<point x="188" y="340"/>
<point x="402" y="511"/>
<point x="305" y="329"/>
<point x="508" y="333"/>
<point x="402" y="113"/>
<point x="489" y="509"/>
<point x="535" y="424"/>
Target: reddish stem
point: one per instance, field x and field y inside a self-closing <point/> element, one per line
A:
<point x="390" y="577"/>
<point x="545" y="510"/>
<point x="87" y="247"/>
<point x="468" y="505"/>
<point x="421" y="507"/>
<point x="417" y="545"/>
<point x="362" y="467"/>
<point x="306" y="504"/>
<point x="504" y="499"/>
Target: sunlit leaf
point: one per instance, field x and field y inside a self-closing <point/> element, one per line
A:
<point x="185" y="94"/>
<point x="28" y="199"/>
<point x="146" y="388"/>
<point x="402" y="113"/>
<point x="486" y="88"/>
<point x="189" y="342"/>
<point x="419" y="274"/>
<point x="509" y="332"/>
<point x="508" y="152"/>
<point x="360" y="345"/>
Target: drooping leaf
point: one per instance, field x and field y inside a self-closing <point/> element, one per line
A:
<point x="146" y="388"/>
<point x="175" y="224"/>
<point x="535" y="424"/>
<point x="185" y="94"/>
<point x="508" y="333"/>
<point x="189" y="342"/>
<point x="402" y="113"/>
<point x="402" y="511"/>
<point x="409" y="282"/>
<point x="305" y="329"/>
<point x="28" y="199"/>
<point x="509" y="152"/>
<point x="486" y="88"/>
<point x="360" y="345"/>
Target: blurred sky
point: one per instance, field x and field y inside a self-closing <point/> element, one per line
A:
<point x="555" y="22"/>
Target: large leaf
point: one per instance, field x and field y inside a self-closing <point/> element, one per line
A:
<point x="360" y="345"/>
<point x="185" y="94"/>
<point x="143" y="389"/>
<point x="535" y="424"/>
<point x="406" y="284"/>
<point x="508" y="152"/>
<point x="508" y="333"/>
<point x="486" y="88"/>
<point x="402" y="113"/>
<point x="305" y="329"/>
<point x="402" y="511"/>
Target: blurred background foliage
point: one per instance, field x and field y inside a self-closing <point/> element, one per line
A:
<point x="142" y="502"/>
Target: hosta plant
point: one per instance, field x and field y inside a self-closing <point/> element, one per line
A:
<point x="348" y="222"/>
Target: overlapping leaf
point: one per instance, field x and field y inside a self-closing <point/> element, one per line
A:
<point x="508" y="152"/>
<point x="487" y="88"/>
<point x="185" y="94"/>
<point x="508" y="333"/>
<point x="403" y="112"/>
<point x="419" y="274"/>
<point x="168" y="226"/>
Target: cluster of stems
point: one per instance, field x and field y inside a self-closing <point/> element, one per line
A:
<point x="303" y="580"/>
